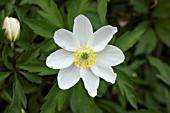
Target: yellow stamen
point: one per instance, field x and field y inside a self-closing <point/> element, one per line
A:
<point x="84" y="57"/>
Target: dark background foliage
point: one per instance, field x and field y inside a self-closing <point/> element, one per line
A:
<point x="143" y="82"/>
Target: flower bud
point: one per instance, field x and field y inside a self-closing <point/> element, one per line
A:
<point x="12" y="28"/>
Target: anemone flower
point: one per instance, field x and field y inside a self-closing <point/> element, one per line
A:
<point x="85" y="55"/>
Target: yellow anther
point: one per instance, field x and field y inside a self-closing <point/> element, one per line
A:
<point x="84" y="57"/>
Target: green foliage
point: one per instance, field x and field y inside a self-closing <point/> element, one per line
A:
<point x="55" y="98"/>
<point x="4" y="75"/>
<point x="5" y="54"/>
<point x="73" y="10"/>
<point x="41" y="28"/>
<point x="49" y="11"/>
<point x="144" y="46"/>
<point x="19" y="98"/>
<point x="32" y="78"/>
<point x="102" y="10"/>
<point x="126" y="88"/>
<point x="38" y="67"/>
<point x="142" y="83"/>
<point x="128" y="39"/>
<point x="163" y="68"/>
<point x="163" y="31"/>
<point x="161" y="10"/>
<point x="87" y="103"/>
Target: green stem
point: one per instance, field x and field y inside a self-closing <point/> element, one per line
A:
<point x="12" y="45"/>
<point x="14" y="53"/>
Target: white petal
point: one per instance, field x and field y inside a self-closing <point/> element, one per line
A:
<point x="102" y="37"/>
<point x="91" y="81"/>
<point x="110" y="56"/>
<point x="59" y="59"/>
<point x="82" y="29"/>
<point x="105" y="73"/>
<point x="66" y="40"/>
<point x="68" y="77"/>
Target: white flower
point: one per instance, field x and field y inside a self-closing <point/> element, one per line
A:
<point x="12" y="28"/>
<point x="85" y="55"/>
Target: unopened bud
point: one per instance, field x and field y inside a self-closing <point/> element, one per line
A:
<point x="12" y="28"/>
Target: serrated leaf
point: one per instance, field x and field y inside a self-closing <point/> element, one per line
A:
<point x="18" y="98"/>
<point x="102" y="10"/>
<point x="55" y="98"/>
<point x="163" y="31"/>
<point x="28" y="55"/>
<point x="144" y="111"/>
<point x="126" y="87"/>
<point x="103" y="86"/>
<point x="144" y="45"/>
<point x="128" y="39"/>
<point x="32" y="77"/>
<point x="110" y="106"/>
<point x="5" y="54"/>
<point x="8" y="9"/>
<point x="140" y="5"/>
<point x="75" y="8"/>
<point x="92" y="13"/>
<point x="2" y="16"/>
<point x="41" y="27"/>
<point x="28" y="87"/>
<point x="4" y="75"/>
<point x="79" y="104"/>
<point x="162" y="67"/>
<point x="162" y="9"/>
<point x="167" y="100"/>
<point x="5" y="95"/>
<point x="38" y="67"/>
<point x="49" y="11"/>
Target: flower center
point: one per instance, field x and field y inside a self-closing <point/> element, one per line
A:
<point x="84" y="57"/>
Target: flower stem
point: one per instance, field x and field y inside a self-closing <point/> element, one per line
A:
<point x="12" y="45"/>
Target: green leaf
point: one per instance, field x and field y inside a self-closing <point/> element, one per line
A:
<point x="18" y="98"/>
<point x="49" y="11"/>
<point x="162" y="67"/>
<point x="162" y="9"/>
<point x="5" y="95"/>
<point x="144" y="111"/>
<point x="92" y="13"/>
<point x="79" y="104"/>
<point x="110" y="106"/>
<point x="102" y="10"/>
<point x="41" y="27"/>
<point x="4" y="75"/>
<point x="5" y="54"/>
<point x="103" y="86"/>
<point x="163" y="31"/>
<point x="75" y="8"/>
<point x="23" y="2"/>
<point x="126" y="87"/>
<point x="128" y="39"/>
<point x="167" y="100"/>
<point x="18" y="11"/>
<point x="33" y="54"/>
<point x="150" y="101"/>
<point x="144" y="45"/>
<point x="55" y="97"/>
<point x="136" y="64"/>
<point x="28" y="87"/>
<point x="8" y="9"/>
<point x="140" y="5"/>
<point x="24" y="44"/>
<point x="32" y="77"/>
<point x="33" y="104"/>
<point x="2" y="16"/>
<point x="38" y="67"/>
